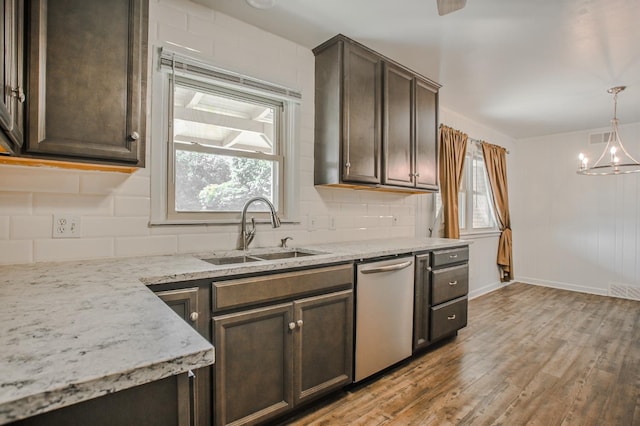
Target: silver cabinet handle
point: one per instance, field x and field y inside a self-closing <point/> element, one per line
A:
<point x="292" y="326"/>
<point x="453" y="256"/>
<point x="300" y="322"/>
<point x="394" y="267"/>
<point x="451" y="317"/>
<point x="18" y="93"/>
<point x="134" y="136"/>
<point x="452" y="283"/>
<point x="194" y="316"/>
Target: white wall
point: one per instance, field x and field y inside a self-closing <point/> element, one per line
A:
<point x="114" y="208"/>
<point x="570" y="231"/>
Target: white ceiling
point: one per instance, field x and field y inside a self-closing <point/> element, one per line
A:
<point x="523" y="67"/>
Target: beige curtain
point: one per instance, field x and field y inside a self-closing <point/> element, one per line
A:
<point x="495" y="159"/>
<point x="453" y="146"/>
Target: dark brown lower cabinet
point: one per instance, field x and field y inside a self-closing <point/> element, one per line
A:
<point x="190" y="300"/>
<point x="161" y="403"/>
<point x="441" y="288"/>
<point x="270" y="359"/>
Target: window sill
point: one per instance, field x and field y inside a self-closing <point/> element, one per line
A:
<point x="480" y="234"/>
<point x="177" y="222"/>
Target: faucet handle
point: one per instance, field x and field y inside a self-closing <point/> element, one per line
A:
<point x="283" y="241"/>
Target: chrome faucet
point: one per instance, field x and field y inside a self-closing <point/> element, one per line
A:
<point x="247" y="236"/>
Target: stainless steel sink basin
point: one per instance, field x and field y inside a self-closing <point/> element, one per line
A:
<point x="285" y="255"/>
<point x="231" y="260"/>
<point x="256" y="257"/>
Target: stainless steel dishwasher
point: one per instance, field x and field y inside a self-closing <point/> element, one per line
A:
<point x="384" y="314"/>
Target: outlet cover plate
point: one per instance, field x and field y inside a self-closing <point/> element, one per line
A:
<point x="66" y="226"/>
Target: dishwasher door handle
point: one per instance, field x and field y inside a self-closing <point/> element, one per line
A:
<point x="387" y="268"/>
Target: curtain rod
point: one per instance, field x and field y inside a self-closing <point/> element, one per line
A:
<point x="478" y="142"/>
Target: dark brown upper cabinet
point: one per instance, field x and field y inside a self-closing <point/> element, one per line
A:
<point x="87" y="80"/>
<point x="348" y="128"/>
<point x="375" y="122"/>
<point x="398" y="130"/>
<point x="12" y="92"/>
<point x="425" y="148"/>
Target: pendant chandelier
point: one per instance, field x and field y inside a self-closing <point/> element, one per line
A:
<point x="615" y="159"/>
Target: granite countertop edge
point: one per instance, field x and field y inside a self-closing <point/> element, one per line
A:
<point x="69" y="302"/>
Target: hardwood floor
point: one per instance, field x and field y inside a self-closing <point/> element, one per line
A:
<point x="530" y="355"/>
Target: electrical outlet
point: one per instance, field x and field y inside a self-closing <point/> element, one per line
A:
<point x="311" y="223"/>
<point x="394" y="220"/>
<point x="66" y="226"/>
<point x="332" y="223"/>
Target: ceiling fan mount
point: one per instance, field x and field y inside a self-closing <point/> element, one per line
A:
<point x="448" y="6"/>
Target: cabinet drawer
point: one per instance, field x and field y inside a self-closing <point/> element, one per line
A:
<point x="449" y="283"/>
<point x="268" y="288"/>
<point x="448" y="317"/>
<point x="449" y="256"/>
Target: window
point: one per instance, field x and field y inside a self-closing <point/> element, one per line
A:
<point x="475" y="207"/>
<point x="229" y="138"/>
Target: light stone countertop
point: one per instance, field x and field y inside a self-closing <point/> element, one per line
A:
<point x="72" y="331"/>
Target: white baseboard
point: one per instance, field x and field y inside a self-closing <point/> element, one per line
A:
<point x="562" y="286"/>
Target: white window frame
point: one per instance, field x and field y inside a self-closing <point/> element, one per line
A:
<point x="169" y="66"/>
<point x="465" y="199"/>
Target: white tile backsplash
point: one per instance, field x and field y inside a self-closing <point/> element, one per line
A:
<point x="31" y="227"/>
<point x="16" y="251"/>
<point x="96" y="205"/>
<point x="4" y="227"/>
<point x="40" y="179"/>
<point x="72" y="249"/>
<point x="16" y="203"/>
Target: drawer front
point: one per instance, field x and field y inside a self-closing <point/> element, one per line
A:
<point x="449" y="256"/>
<point x="448" y="317"/>
<point x="269" y="288"/>
<point x="449" y="283"/>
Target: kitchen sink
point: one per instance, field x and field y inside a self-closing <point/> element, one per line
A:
<point x="274" y="255"/>
<point x="231" y="260"/>
<point x="285" y="255"/>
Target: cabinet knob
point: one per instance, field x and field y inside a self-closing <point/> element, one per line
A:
<point x="300" y="323"/>
<point x="292" y="325"/>
<point x="134" y="136"/>
<point x="18" y="93"/>
<point x="193" y="316"/>
<point x="453" y="256"/>
<point x="347" y="165"/>
<point x="451" y="317"/>
<point x="452" y="283"/>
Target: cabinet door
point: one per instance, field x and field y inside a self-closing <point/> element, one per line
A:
<point x="323" y="345"/>
<point x="87" y="79"/>
<point x="421" y="303"/>
<point x="12" y="90"/>
<point x="361" y="115"/>
<point x="426" y="135"/>
<point x="184" y="302"/>
<point x="253" y="364"/>
<point x="397" y="138"/>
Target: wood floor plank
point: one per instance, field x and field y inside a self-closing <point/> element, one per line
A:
<point x="529" y="355"/>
